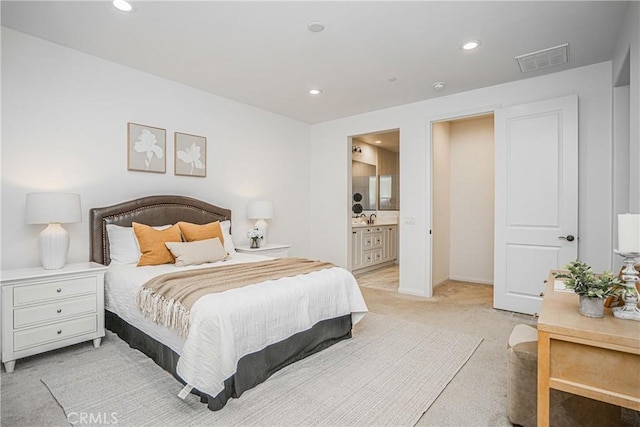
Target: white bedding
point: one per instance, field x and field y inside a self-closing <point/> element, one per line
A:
<point x="226" y="326"/>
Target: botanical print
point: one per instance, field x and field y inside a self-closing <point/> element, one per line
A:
<point x="146" y="148"/>
<point x="191" y="155"/>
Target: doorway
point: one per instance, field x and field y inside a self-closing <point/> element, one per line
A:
<point x="535" y="197"/>
<point x="463" y="189"/>
<point x="374" y="188"/>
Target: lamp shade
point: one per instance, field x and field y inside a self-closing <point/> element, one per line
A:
<point x="48" y="208"/>
<point x="260" y="209"/>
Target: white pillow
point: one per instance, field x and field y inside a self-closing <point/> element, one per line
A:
<point x="198" y="252"/>
<point x="226" y="233"/>
<point x="123" y="245"/>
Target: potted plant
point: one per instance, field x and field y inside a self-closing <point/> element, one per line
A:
<point x="593" y="289"/>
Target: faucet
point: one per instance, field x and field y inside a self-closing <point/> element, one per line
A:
<point x="371" y="219"/>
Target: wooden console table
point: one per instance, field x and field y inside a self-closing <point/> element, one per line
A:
<point x="594" y="358"/>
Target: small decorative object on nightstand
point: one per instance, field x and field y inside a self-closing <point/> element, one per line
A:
<point x="261" y="210"/>
<point x="273" y="250"/>
<point x="254" y="236"/>
<point x="47" y="309"/>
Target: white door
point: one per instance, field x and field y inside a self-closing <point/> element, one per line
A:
<point x="536" y="199"/>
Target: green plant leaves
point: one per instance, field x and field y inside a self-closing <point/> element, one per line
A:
<point x="583" y="281"/>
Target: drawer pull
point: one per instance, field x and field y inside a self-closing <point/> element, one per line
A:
<point x="59" y="331"/>
<point x="59" y="290"/>
<point x="59" y="310"/>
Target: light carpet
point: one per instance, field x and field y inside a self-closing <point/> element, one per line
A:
<point x="389" y="373"/>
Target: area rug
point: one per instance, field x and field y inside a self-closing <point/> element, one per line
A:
<point x="389" y="373"/>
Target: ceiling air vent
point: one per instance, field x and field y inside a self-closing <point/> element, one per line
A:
<point x="544" y="58"/>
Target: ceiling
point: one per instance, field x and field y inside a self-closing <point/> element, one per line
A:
<point x="371" y="55"/>
<point x="387" y="140"/>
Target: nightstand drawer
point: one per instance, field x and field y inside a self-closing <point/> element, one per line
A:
<point x="277" y="253"/>
<point x="56" y="310"/>
<point x="51" y="290"/>
<point x="274" y="250"/>
<point x="45" y="334"/>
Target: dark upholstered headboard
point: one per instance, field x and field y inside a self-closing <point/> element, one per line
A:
<point x="151" y="210"/>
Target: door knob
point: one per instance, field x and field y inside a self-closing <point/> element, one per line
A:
<point x="568" y="238"/>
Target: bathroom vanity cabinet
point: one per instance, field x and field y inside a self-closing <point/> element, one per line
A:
<point x="373" y="246"/>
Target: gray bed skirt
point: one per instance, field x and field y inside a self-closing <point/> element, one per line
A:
<point x="252" y="369"/>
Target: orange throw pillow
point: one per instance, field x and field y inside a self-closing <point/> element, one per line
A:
<point x="151" y="242"/>
<point x="195" y="232"/>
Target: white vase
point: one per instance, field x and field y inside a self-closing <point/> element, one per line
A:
<point x="591" y="307"/>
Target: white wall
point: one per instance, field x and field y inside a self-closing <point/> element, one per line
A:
<point x="621" y="163"/>
<point x="626" y="131"/>
<point x="629" y="42"/>
<point x="441" y="235"/>
<point x="472" y="200"/>
<point x="330" y="154"/>
<point x="64" y="117"/>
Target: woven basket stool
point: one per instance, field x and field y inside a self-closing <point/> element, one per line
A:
<point x="522" y="390"/>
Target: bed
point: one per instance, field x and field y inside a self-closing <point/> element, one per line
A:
<point x="236" y="338"/>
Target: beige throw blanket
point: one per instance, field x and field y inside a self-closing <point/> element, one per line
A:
<point x="167" y="299"/>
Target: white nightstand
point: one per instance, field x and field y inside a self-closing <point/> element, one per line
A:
<point x="47" y="309"/>
<point x="272" y="249"/>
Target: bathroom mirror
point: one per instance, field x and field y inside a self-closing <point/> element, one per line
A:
<point x="364" y="182"/>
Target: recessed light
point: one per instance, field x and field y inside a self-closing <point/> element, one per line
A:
<point x="378" y="141"/>
<point x="123" y="5"/>
<point x="470" y="45"/>
<point x="315" y="91"/>
<point x="315" y="26"/>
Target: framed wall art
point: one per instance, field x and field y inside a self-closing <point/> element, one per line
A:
<point x="190" y="155"/>
<point x="146" y="148"/>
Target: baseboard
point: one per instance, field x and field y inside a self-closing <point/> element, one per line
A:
<point x="373" y="267"/>
<point x="471" y="280"/>
<point x="412" y="292"/>
<point x="441" y="281"/>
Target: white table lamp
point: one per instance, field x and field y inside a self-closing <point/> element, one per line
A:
<point x="53" y="209"/>
<point x="261" y="210"/>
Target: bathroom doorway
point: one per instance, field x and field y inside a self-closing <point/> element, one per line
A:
<point x="374" y="188"/>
